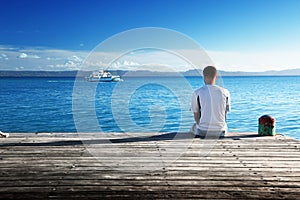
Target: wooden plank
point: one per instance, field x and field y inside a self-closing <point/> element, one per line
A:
<point x="59" y="166"/>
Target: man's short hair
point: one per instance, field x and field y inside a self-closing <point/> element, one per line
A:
<point x="210" y="71"/>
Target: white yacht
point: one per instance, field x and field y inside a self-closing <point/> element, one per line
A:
<point x="103" y="76"/>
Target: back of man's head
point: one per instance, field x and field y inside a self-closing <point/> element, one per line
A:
<point x="210" y="75"/>
<point x="210" y="72"/>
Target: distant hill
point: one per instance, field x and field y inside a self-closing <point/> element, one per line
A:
<point x="194" y="72"/>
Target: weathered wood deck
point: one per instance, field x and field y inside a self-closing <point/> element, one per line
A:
<point x="59" y="166"/>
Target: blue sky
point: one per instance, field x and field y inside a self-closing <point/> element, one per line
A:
<point x="225" y="28"/>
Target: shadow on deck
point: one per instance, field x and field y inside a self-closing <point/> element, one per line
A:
<point x="160" y="137"/>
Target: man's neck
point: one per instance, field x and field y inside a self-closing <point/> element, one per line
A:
<point x="213" y="83"/>
<point x="210" y="81"/>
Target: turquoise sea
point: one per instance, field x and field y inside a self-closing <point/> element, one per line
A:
<point x="143" y="103"/>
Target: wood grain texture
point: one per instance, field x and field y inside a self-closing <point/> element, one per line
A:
<point x="161" y="166"/>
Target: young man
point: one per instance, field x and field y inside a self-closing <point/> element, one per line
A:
<point x="210" y="105"/>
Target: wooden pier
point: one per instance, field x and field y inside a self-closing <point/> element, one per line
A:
<point x="161" y="166"/>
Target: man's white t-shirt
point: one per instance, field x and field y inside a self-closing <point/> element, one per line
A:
<point x="213" y="105"/>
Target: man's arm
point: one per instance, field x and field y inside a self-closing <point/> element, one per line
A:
<point x="196" y="117"/>
<point x="228" y="106"/>
<point x="196" y="107"/>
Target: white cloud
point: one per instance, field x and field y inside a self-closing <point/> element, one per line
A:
<point x="57" y="59"/>
<point x="7" y="47"/>
<point x="154" y="60"/>
<point x="75" y="58"/>
<point x="23" y="55"/>
<point x="3" y="56"/>
<point x="34" y="56"/>
<point x="19" y="68"/>
<point x="255" y="61"/>
<point x="40" y="59"/>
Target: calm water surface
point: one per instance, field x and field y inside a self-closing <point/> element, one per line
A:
<point x="142" y="104"/>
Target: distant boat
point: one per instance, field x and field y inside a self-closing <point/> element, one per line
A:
<point x="103" y="76"/>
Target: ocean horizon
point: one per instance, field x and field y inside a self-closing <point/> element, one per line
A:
<point x="188" y="73"/>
